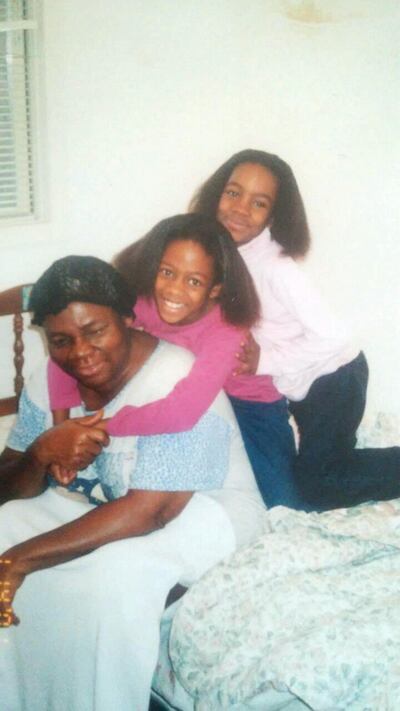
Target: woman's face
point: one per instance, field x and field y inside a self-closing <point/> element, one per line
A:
<point x="184" y="289"/>
<point x="247" y="201"/>
<point x="90" y="342"/>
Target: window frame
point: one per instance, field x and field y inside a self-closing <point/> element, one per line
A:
<point x="21" y="155"/>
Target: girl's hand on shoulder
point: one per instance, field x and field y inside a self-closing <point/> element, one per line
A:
<point x="248" y="357"/>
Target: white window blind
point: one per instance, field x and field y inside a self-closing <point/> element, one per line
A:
<point x="17" y="197"/>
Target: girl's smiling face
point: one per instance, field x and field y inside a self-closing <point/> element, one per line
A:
<point x="184" y="290"/>
<point x="247" y="201"/>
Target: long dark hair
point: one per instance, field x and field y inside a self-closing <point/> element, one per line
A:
<point x="289" y="222"/>
<point x="139" y="263"/>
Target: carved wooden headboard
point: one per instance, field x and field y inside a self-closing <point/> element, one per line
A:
<point x="14" y="302"/>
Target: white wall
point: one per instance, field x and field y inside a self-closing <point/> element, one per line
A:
<point x="144" y="98"/>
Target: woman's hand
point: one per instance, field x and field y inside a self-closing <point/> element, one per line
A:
<point x="102" y="424"/>
<point x="62" y="475"/>
<point x="248" y="357"/>
<point x="71" y="446"/>
<point x="10" y="581"/>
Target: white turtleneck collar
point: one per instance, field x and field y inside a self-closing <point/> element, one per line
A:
<point x="260" y="245"/>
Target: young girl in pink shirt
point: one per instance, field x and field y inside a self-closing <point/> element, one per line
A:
<point x="297" y="341"/>
<point x="195" y="291"/>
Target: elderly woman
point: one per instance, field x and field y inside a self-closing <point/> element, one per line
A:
<point x="89" y="581"/>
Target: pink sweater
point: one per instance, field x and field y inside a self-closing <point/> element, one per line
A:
<point x="213" y="342"/>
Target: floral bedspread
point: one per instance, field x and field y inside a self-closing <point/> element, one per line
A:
<point x="313" y="608"/>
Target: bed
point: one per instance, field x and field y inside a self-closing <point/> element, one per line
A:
<point x="308" y="617"/>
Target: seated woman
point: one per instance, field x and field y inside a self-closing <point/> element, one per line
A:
<point x="89" y="582"/>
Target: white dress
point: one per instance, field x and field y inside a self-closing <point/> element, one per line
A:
<point x="89" y="632"/>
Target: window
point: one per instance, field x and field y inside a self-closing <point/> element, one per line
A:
<point x="17" y="34"/>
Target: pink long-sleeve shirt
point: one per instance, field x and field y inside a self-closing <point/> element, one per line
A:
<point x="299" y="338"/>
<point x="215" y="344"/>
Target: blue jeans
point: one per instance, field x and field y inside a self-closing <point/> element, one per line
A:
<point x="270" y="446"/>
<point x="329" y="472"/>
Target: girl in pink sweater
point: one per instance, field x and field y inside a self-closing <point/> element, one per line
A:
<point x="194" y="290"/>
<point x="297" y="340"/>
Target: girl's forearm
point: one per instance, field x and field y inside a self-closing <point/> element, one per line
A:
<point x="63" y="388"/>
<point x="191" y="397"/>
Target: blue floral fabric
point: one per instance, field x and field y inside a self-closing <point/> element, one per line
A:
<point x="31" y="422"/>
<point x="181" y="462"/>
<point x="91" y="489"/>
<point x="196" y="460"/>
<point x="173" y="462"/>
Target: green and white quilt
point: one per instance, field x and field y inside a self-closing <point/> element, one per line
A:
<point x="312" y="608"/>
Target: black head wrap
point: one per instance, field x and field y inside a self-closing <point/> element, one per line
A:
<point x="76" y="278"/>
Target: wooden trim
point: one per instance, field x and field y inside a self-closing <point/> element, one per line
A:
<point x="14" y="302"/>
